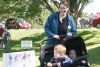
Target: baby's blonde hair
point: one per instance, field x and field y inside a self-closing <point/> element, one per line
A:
<point x="60" y="48"/>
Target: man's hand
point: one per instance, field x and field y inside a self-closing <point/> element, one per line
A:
<point x="69" y="34"/>
<point x="56" y="36"/>
<point x="49" y="64"/>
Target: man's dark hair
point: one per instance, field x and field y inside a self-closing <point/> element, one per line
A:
<point x="65" y="3"/>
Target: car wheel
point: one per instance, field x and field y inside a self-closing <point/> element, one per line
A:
<point x="98" y="26"/>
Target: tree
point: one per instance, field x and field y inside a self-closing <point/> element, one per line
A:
<point x="20" y="8"/>
<point x="26" y="9"/>
<point x="76" y="6"/>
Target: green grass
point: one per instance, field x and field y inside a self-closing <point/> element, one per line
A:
<point x="92" y="40"/>
<point x="90" y="36"/>
<point x="17" y="35"/>
<point x="94" y="56"/>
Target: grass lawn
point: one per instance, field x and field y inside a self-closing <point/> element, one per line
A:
<point x="90" y="36"/>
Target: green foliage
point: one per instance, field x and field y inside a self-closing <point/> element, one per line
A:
<point x="27" y="9"/>
<point x="43" y="16"/>
<point x="20" y="8"/>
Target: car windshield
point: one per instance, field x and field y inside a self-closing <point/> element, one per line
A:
<point x="20" y="20"/>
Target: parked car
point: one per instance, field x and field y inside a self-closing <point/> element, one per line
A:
<point x="11" y="23"/>
<point x="17" y="23"/>
<point x="96" y="22"/>
<point x="22" y="24"/>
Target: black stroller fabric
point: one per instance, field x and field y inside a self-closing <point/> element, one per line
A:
<point x="76" y="43"/>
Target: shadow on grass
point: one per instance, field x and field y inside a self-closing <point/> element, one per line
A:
<point x="8" y="47"/>
<point x="88" y="35"/>
<point x="36" y="38"/>
<point x="1" y="51"/>
<point x="94" y="56"/>
<point x="82" y="33"/>
<point x="93" y="43"/>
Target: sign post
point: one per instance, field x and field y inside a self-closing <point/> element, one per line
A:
<point x="26" y="43"/>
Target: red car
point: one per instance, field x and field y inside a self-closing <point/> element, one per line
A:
<point x="17" y="23"/>
<point x="1" y="31"/>
<point x="96" y="22"/>
<point x="22" y="24"/>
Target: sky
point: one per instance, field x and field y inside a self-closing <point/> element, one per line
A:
<point x="93" y="7"/>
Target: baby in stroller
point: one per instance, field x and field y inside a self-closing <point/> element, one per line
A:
<point x="60" y="58"/>
<point x="77" y="61"/>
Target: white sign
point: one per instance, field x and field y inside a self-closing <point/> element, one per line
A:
<point x="26" y="43"/>
<point x="19" y="59"/>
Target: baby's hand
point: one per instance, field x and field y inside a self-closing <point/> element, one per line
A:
<point x="59" y="64"/>
<point x="49" y="64"/>
<point x="56" y="36"/>
<point x="83" y="61"/>
<point x="69" y="34"/>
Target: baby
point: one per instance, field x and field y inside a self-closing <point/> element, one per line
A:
<point x="72" y="54"/>
<point x="60" y="58"/>
<point x="77" y="61"/>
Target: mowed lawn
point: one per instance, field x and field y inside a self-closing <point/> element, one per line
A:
<point x="90" y="36"/>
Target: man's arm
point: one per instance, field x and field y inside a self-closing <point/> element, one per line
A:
<point x="73" y="27"/>
<point x="47" y="27"/>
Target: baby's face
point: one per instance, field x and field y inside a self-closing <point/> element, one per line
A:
<point x="72" y="54"/>
<point x="58" y="54"/>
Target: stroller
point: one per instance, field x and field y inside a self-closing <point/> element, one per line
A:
<point x="76" y="43"/>
<point x="4" y="37"/>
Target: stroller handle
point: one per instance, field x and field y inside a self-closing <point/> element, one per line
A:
<point x="51" y="39"/>
<point x="65" y="37"/>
